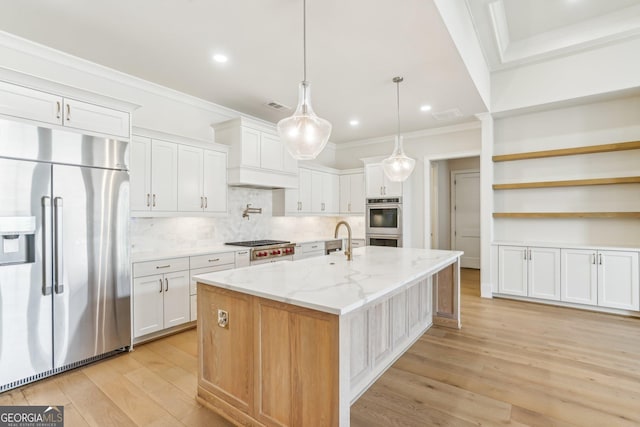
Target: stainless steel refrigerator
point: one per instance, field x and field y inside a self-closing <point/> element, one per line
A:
<point x="64" y="251"/>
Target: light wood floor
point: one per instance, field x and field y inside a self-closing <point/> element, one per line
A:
<point x="513" y="363"/>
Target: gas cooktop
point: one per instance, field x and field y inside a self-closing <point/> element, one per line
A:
<point x="256" y="243"/>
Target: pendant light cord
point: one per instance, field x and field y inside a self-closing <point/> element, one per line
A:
<point x="398" y="99"/>
<point x="304" y="40"/>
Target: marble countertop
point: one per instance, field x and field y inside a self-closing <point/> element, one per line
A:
<point x="332" y="284"/>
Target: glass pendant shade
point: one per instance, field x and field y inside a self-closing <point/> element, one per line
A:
<point x="304" y="133"/>
<point x="398" y="166"/>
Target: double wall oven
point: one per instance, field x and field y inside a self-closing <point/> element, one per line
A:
<point x="384" y="222"/>
<point x="265" y="251"/>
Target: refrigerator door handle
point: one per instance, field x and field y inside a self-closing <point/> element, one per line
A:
<point x="58" y="257"/>
<point x="46" y="242"/>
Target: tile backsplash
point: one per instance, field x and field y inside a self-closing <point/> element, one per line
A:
<point x="177" y="233"/>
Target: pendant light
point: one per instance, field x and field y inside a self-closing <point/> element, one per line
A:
<point x="304" y="133"/>
<point x="398" y="166"/>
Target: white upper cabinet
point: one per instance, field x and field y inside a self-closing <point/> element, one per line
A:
<point x="317" y="194"/>
<point x="215" y="181"/>
<point x="352" y="193"/>
<point x="377" y="183"/>
<point x="174" y="178"/>
<point x="304" y="190"/>
<point x="257" y="157"/>
<point x="324" y="192"/>
<point x="22" y="102"/>
<point x="164" y="176"/>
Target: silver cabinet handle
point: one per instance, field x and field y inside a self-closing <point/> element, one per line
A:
<point x="600" y="259"/>
<point x="206" y="202"/>
<point x="593" y="259"/>
<point x="148" y="199"/>
<point x="529" y="254"/>
<point x="68" y="112"/>
<point x="525" y="254"/>
<point x="243" y="253"/>
<point x="201" y="202"/>
<point x="58" y="109"/>
<point x="46" y="243"/>
<point x="214" y="260"/>
<point x="314" y="247"/>
<point x="160" y="286"/>
<point x="59" y="256"/>
<point x="166" y="281"/>
<point x="163" y="266"/>
<point x="154" y="200"/>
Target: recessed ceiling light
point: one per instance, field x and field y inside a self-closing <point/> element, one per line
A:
<point x="425" y="108"/>
<point x="220" y="58"/>
<point x="354" y="122"/>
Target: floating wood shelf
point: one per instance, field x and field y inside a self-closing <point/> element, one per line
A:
<point x="566" y="215"/>
<point x="569" y="183"/>
<point x="620" y="146"/>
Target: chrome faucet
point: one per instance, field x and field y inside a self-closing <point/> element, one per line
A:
<point x="335" y="234"/>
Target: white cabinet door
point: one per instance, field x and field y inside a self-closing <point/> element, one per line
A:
<point x="18" y="101"/>
<point x="271" y="155"/>
<point x="140" y="174"/>
<point x="148" y="294"/>
<point x="190" y="194"/>
<point x="176" y="298"/>
<point x="579" y="282"/>
<point x="243" y="259"/>
<point x="544" y="273"/>
<point x="250" y="147"/>
<point x="305" y="189"/>
<point x="391" y="188"/>
<point x="357" y="193"/>
<point x="345" y="193"/>
<point x="215" y="181"/>
<point x="374" y="178"/>
<point x="618" y="280"/>
<point x="292" y="203"/>
<point x="330" y="193"/>
<point x="164" y="176"/>
<point x="317" y="202"/>
<point x="85" y="116"/>
<point x="512" y="278"/>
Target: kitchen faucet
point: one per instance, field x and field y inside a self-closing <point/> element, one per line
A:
<point x="335" y="234"/>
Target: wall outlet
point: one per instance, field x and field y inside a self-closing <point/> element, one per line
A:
<point x="223" y="319"/>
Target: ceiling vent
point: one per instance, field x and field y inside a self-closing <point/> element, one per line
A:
<point x="447" y="115"/>
<point x="277" y="106"/>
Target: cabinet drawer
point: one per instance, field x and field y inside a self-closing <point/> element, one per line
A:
<point x="356" y="243"/>
<point x="312" y="247"/>
<point x="212" y="260"/>
<point x="205" y="270"/>
<point x="85" y="116"/>
<point x="167" y="265"/>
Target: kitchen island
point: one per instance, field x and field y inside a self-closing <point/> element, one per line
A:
<point x="296" y="343"/>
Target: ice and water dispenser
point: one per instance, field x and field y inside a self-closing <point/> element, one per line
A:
<point x="17" y="239"/>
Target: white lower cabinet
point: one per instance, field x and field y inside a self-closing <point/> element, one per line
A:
<point x="529" y="272"/>
<point x="160" y="301"/>
<point x="204" y="264"/>
<point x="308" y="250"/>
<point x="601" y="277"/>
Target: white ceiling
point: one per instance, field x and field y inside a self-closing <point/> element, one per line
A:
<point x="354" y="50"/>
<point x="517" y="32"/>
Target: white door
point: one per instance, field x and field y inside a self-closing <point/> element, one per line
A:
<point x="176" y="298"/>
<point x="250" y="151"/>
<point x="82" y="115"/>
<point x="190" y="194"/>
<point x="618" y="280"/>
<point x="579" y="281"/>
<point x="317" y="202"/>
<point x="147" y="304"/>
<point x="465" y="217"/>
<point x="140" y="174"/>
<point x="345" y="193"/>
<point x="18" y="101"/>
<point x="512" y="266"/>
<point x="544" y="273"/>
<point x="305" y="190"/>
<point x="215" y="181"/>
<point x="374" y="180"/>
<point x="164" y="176"/>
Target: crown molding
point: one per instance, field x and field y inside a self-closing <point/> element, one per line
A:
<point x="411" y="135"/>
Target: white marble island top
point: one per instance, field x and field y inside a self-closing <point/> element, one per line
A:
<point x="331" y="283"/>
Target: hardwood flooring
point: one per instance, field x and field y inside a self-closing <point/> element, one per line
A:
<point x="512" y="363"/>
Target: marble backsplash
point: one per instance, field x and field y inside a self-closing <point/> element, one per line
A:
<point x="177" y="233"/>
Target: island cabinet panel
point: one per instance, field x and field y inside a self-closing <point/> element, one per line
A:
<point x="398" y="319"/>
<point x="380" y="331"/>
<point x="226" y="371"/>
<point x="413" y="307"/>
<point x="426" y="298"/>
<point x="359" y="354"/>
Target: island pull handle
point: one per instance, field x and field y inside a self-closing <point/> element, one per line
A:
<point x="163" y="266"/>
<point x="214" y="260"/>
